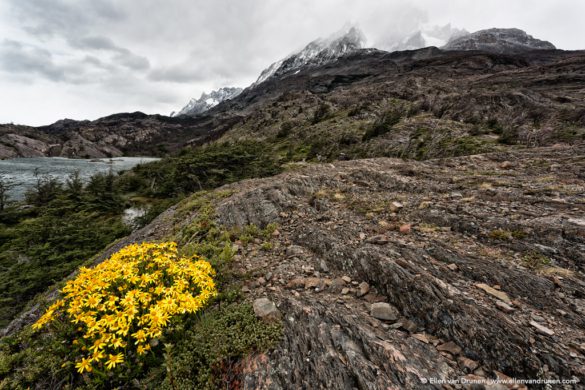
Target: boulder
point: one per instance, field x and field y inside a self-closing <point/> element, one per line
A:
<point x="384" y="311"/>
<point x="266" y="310"/>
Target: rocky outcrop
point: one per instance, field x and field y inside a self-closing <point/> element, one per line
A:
<point x="116" y="135"/>
<point x="471" y="299"/>
<point x="498" y="40"/>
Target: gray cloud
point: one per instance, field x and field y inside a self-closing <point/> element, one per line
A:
<point x="175" y="74"/>
<point x="193" y="69"/>
<point x="130" y="60"/>
<point x="49" y="17"/>
<point x="30" y="60"/>
<point x="93" y="42"/>
<point x="90" y="61"/>
<point x="122" y="55"/>
<point x="75" y="23"/>
<point x="16" y="57"/>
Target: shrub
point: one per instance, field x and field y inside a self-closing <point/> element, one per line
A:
<point x="40" y="250"/>
<point x="46" y="189"/>
<point x="358" y="109"/>
<point x="494" y="125"/>
<point x="464" y="146"/>
<point x="382" y="125"/>
<point x="206" y="355"/>
<point x="285" y="129"/>
<point x="348" y="139"/>
<point x="322" y="112"/>
<point x="504" y="235"/>
<point x="535" y="261"/>
<point x="206" y="167"/>
<point x="266" y="246"/>
<point x="508" y="135"/>
<point x="500" y="234"/>
<point x="116" y="312"/>
<point x="413" y="110"/>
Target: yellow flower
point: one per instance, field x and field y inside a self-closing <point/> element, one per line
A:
<point x="98" y="344"/>
<point x="84" y="365"/>
<point x="97" y="356"/>
<point x="137" y="292"/>
<point x="113" y="360"/>
<point x="118" y="343"/>
<point x="92" y="301"/>
<point x="140" y="336"/>
<point x="141" y="349"/>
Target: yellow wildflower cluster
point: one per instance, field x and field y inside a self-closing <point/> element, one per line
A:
<point x="120" y="307"/>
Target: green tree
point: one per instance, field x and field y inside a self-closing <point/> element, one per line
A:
<point x="46" y="189"/>
<point x="5" y="186"/>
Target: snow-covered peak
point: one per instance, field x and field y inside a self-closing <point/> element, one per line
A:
<point x="498" y="40"/>
<point x="208" y="100"/>
<point x="433" y="36"/>
<point x="318" y="52"/>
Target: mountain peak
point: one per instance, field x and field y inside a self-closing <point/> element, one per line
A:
<point x="498" y="40"/>
<point x="317" y="52"/>
<point x="430" y="36"/>
<point x="208" y="100"/>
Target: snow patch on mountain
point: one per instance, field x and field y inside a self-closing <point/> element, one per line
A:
<point x="433" y="36"/>
<point x="208" y="100"/>
<point x="316" y="53"/>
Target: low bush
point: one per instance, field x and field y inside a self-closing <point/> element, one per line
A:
<point x="383" y="124"/>
<point x="535" y="261"/>
<point x="206" y="356"/>
<point x="322" y="112"/>
<point x="205" y="168"/>
<point x="285" y="129"/>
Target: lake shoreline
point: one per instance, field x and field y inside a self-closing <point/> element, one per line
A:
<point x="23" y="172"/>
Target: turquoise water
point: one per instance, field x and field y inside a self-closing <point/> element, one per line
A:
<point x="21" y="171"/>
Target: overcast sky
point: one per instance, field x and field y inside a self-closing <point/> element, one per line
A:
<point x="83" y="59"/>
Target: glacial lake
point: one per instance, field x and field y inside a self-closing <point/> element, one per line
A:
<point x="21" y="171"/>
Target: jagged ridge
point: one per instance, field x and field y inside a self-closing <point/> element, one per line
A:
<point x="208" y="100"/>
<point x="318" y="52"/>
<point x="499" y="40"/>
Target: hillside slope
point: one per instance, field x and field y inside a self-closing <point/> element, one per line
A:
<point x="125" y="134"/>
<point x="531" y="99"/>
<point x="480" y="260"/>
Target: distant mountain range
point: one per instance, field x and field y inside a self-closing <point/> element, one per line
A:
<point x="348" y="40"/>
<point x="208" y="100"/>
<point x="317" y="52"/>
